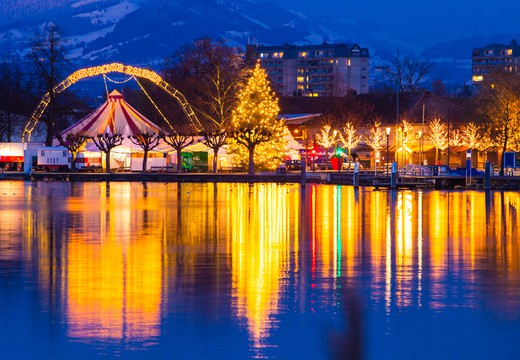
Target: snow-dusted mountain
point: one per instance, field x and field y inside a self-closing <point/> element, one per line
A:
<point x="143" y="32"/>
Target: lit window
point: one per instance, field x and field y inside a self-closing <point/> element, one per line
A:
<point x="278" y="54"/>
<point x="302" y="54"/>
<point x="477" y="78"/>
<point x="299" y="79"/>
<point x="348" y="62"/>
<point x="509" y="52"/>
<point x="263" y="55"/>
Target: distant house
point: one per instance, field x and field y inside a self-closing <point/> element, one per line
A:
<point x="314" y="70"/>
<point x="493" y="57"/>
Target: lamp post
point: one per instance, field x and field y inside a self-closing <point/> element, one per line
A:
<point x="420" y="148"/>
<point x="335" y="134"/>
<point x="387" y="137"/>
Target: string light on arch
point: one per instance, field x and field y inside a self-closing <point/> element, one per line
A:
<point x="155" y="78"/>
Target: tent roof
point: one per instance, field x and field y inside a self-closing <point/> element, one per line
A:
<point x="115" y="115"/>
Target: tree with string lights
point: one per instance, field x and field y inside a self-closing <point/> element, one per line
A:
<point x="486" y="143"/>
<point x="457" y="137"/>
<point x="376" y="140"/>
<point x="438" y="136"/>
<point x="471" y="135"/>
<point x="327" y="138"/>
<point x="256" y="128"/>
<point x="349" y="138"/>
<point x="500" y="103"/>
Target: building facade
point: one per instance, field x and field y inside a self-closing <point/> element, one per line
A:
<point x="493" y="57"/>
<point x="314" y="70"/>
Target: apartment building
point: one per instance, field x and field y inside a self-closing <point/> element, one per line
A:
<point x="493" y="57"/>
<point x="314" y="70"/>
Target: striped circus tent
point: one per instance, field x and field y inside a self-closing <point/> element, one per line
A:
<point x="115" y="115"/>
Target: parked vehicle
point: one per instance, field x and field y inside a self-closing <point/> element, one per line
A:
<point x="53" y="159"/>
<point x="320" y="164"/>
<point x="293" y="165"/>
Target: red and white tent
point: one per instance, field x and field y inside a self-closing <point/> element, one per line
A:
<point x="115" y="115"/>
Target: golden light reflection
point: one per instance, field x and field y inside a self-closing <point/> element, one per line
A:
<point x="112" y="252"/>
<point x="404" y="248"/>
<point x="114" y="277"/>
<point x="11" y="215"/>
<point x="438" y="232"/>
<point x="260" y="218"/>
<point x="97" y="251"/>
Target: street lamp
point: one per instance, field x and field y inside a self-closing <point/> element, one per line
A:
<point x="420" y="148"/>
<point x="387" y="137"/>
<point x="335" y="135"/>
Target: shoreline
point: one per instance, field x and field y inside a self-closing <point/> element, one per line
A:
<point x="322" y="177"/>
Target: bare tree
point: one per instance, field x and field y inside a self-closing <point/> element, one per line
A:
<point x="13" y="102"/>
<point x="147" y="142"/>
<point x="209" y="74"/>
<point x="215" y="139"/>
<point x="106" y="142"/>
<point x="47" y="55"/>
<point x="500" y="99"/>
<point x="407" y="75"/>
<point x="73" y="142"/>
<point x="178" y="140"/>
<point x="438" y="87"/>
<point x="414" y="72"/>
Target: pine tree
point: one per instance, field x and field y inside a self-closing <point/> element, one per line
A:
<point x="255" y="123"/>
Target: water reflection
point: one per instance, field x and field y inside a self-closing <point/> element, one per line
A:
<point x="261" y="248"/>
<point x="119" y="263"/>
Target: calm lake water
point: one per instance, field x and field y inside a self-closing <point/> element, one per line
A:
<point x="220" y="271"/>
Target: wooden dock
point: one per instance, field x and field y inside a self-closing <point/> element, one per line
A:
<point x="318" y="177"/>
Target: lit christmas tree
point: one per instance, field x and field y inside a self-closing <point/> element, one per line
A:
<point x="258" y="136"/>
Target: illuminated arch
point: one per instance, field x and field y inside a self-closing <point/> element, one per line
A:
<point x="105" y="69"/>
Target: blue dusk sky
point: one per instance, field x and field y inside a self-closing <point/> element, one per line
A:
<point x="422" y="21"/>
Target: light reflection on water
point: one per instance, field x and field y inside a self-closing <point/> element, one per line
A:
<point x="261" y="270"/>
